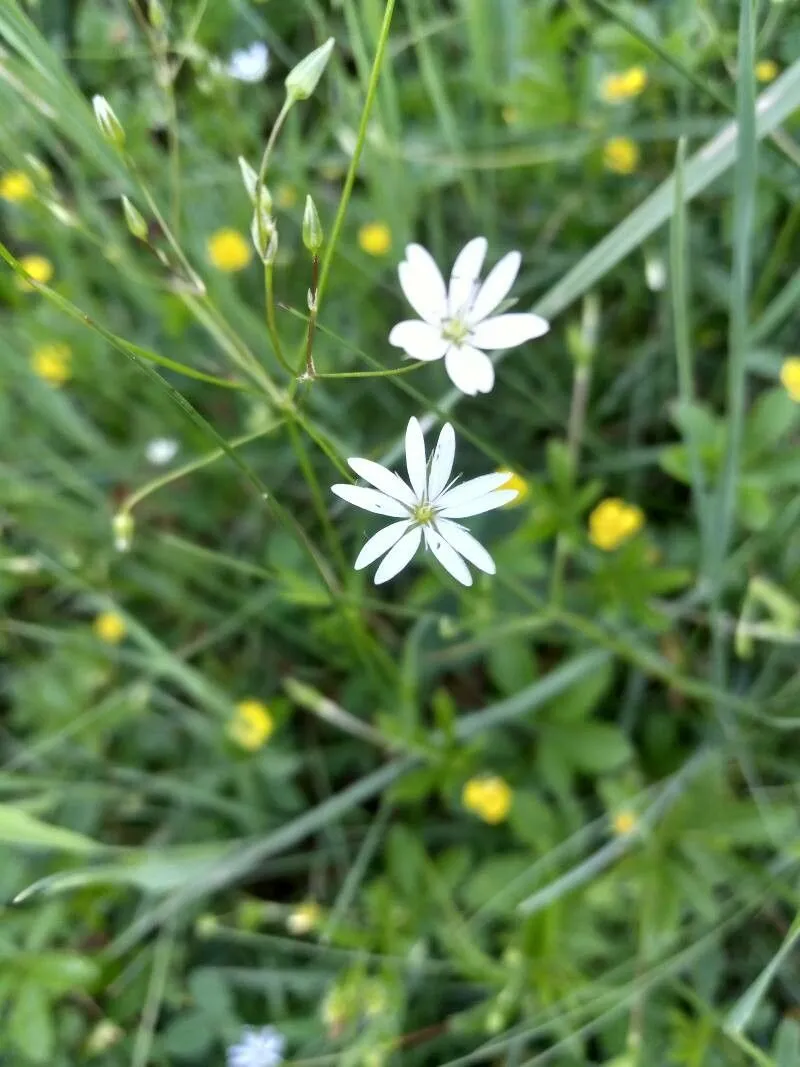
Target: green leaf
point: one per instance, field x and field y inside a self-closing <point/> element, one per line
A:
<point x="580" y="700"/>
<point x="212" y="996"/>
<point x="59" y="972"/>
<point x="30" y="1027"/>
<point x="188" y="1037"/>
<point x="742" y="1012"/>
<point x="493" y="878"/>
<point x="22" y="830"/>
<point x="772" y="417"/>
<point x="597" y="747"/>
<point x="787" y="1044"/>
<point x="511" y="665"/>
<point x="754" y="507"/>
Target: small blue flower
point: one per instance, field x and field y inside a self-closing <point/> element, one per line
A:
<point x="257" y="1048"/>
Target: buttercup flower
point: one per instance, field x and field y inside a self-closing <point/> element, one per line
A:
<point x="251" y="726"/>
<point x="161" y="450"/>
<point x="110" y="627"/>
<point x="613" y="522"/>
<point x="228" y="250"/>
<point x="623" y="85"/>
<point x="519" y="485"/>
<point x="766" y="70"/>
<point x="790" y="377"/>
<point x="52" y="362"/>
<point x="249" y="64"/>
<point x="16" y="186"/>
<point x="375" y="238"/>
<point x="456" y="320"/>
<point x="488" y="797"/>
<point x="425" y="508"/>
<point x="621" y="155"/>
<point x="624" y="822"/>
<point x="304" y="918"/>
<point x="38" y="267"/>
<point x="257" y="1048"/>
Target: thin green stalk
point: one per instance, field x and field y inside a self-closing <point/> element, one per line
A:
<point x="162" y="956"/>
<point x="780" y="255"/>
<point x="317" y="499"/>
<point x="272" y="325"/>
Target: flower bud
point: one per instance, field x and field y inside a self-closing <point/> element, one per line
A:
<point x="312" y="228"/>
<point x="104" y="1036"/>
<point x="265" y="236"/>
<point x="134" y="220"/>
<point x="156" y="14"/>
<point x="249" y="177"/>
<point x="302" y="80"/>
<point x="109" y="124"/>
<point x="122" y="525"/>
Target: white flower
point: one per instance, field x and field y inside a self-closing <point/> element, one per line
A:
<point x="161" y="450"/>
<point x="426" y="508"/>
<point x="249" y="64"/>
<point x="257" y="1048"/>
<point x="456" y="320"/>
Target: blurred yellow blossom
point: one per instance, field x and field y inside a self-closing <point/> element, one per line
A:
<point x="375" y="238"/>
<point x="488" y="797"/>
<point x="251" y="725"/>
<point x="613" y="522"/>
<point x="766" y="70"/>
<point x="110" y="627"/>
<point x="516" y="481"/>
<point x="304" y="918"/>
<point x="624" y="822"/>
<point x="621" y="155"/>
<point x="623" y="85"/>
<point x="52" y="362"/>
<point x="104" y="1036"/>
<point x="790" y="377"/>
<point x="15" y="186"/>
<point x="229" y="250"/>
<point x="40" y="269"/>
<point x="285" y="196"/>
<point x="510" y="115"/>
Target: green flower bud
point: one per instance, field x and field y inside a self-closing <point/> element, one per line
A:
<point x="109" y="124"/>
<point x="302" y="80"/>
<point x="265" y="237"/>
<point x="134" y="220"/>
<point x="249" y="177"/>
<point x="156" y="14"/>
<point x="122" y="525"/>
<point x="312" y="228"/>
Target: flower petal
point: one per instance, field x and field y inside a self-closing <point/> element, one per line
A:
<point x="442" y="461"/>
<point x="507" y="331"/>
<point x="423" y="284"/>
<point x="465" y="274"/>
<point x="478" y="505"/>
<point x="416" y="461"/>
<point x="447" y="556"/>
<point x="496" y="287"/>
<point x="380" y="543"/>
<point x="383" y="479"/>
<point x="472" y="489"/>
<point x="470" y="370"/>
<point x="419" y="340"/>
<point x="466" y="545"/>
<point x="399" y="556"/>
<point x="371" y="500"/>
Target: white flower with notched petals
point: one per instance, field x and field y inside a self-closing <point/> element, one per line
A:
<point x="257" y="1048"/>
<point x="249" y="64"/>
<point x="161" y="450"/>
<point x="425" y="509"/>
<point x="456" y="320"/>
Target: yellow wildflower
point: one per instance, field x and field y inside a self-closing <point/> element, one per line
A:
<point x="38" y="267"/>
<point x="516" y="481"/>
<point x="251" y="725"/>
<point x="621" y="155"/>
<point x="624" y="822"/>
<point x="488" y="797"/>
<point x="766" y="70"/>
<point x="15" y="186"/>
<point x="613" y="522"/>
<point x="375" y="238"/>
<point x="623" y="85"/>
<point x="53" y="362"/>
<point x="790" y="377"/>
<point x="304" y="918"/>
<point x="228" y="250"/>
<point x="110" y="627"/>
<point x="285" y="196"/>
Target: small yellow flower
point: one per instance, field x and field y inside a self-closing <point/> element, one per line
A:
<point x="624" y="822"/>
<point x="613" y="522"/>
<point x="110" y="627"/>
<point x="766" y="70"/>
<point x="790" y="377"/>
<point x="375" y="238"/>
<point x="624" y="85"/>
<point x="304" y="919"/>
<point x="285" y="196"/>
<point x="228" y="250"/>
<point x="53" y="362"/>
<point x="16" y="186"/>
<point x="251" y="725"/>
<point x="488" y="797"/>
<point x="517" y="482"/>
<point x="38" y="267"/>
<point x="621" y="155"/>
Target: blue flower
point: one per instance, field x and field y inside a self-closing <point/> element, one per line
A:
<point x="257" y="1048"/>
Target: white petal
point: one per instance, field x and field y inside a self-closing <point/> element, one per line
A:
<point x="472" y="489"/>
<point x="447" y="556"/>
<point x="398" y="556"/>
<point x="506" y="331"/>
<point x="419" y="340"/>
<point x="470" y="370"/>
<point x="465" y="274"/>
<point x="416" y="461"/>
<point x="442" y="461"/>
<point x="479" y="505"/>
<point x="423" y="284"/>
<point x="371" y="500"/>
<point x="380" y="543"/>
<point x="496" y="287"/>
<point x="465" y="544"/>
<point x="387" y="481"/>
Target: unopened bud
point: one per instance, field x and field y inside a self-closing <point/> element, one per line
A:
<point x="156" y="14"/>
<point x="122" y="525"/>
<point x="312" y="228"/>
<point x="134" y="219"/>
<point x="109" y="124"/>
<point x="655" y="273"/>
<point x="104" y="1036"/>
<point x="302" y="80"/>
<point x="265" y="237"/>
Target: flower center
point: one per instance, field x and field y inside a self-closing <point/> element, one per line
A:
<point x="423" y="514"/>
<point x="455" y="330"/>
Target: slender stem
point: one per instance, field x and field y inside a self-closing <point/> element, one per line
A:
<point x="311" y="370"/>
<point x="372" y="373"/>
<point x="322" y="510"/>
<point x="272" y="325"/>
<point x="155" y="995"/>
<point x="271" y="140"/>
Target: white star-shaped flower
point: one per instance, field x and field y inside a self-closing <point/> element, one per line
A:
<point x="455" y="322"/>
<point x="257" y="1048"/>
<point x="249" y="64"/>
<point x="425" y="508"/>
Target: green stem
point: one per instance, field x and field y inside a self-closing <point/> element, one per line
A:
<point x="272" y="325"/>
